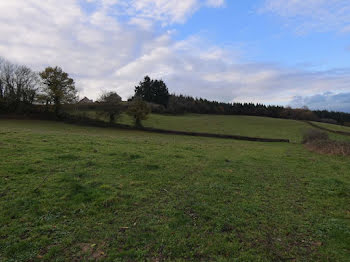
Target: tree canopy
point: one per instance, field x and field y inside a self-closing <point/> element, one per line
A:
<point x="111" y="104"/>
<point x="18" y="85"/>
<point x="58" y="86"/>
<point x="153" y="91"/>
<point x="139" y="110"/>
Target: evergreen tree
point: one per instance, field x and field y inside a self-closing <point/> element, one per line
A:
<point x="153" y="91"/>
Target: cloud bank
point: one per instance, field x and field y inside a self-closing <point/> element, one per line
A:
<point x="310" y="15"/>
<point x="328" y="101"/>
<point x="112" y="45"/>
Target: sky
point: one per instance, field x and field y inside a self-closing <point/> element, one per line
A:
<point x="281" y="52"/>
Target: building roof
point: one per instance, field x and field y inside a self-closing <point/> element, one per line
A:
<point x="85" y="100"/>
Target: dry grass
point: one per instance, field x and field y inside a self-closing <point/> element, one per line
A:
<point x="311" y="135"/>
<point x="319" y="141"/>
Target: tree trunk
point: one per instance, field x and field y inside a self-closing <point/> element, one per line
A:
<point x="111" y="118"/>
<point x="138" y="122"/>
<point x="57" y="108"/>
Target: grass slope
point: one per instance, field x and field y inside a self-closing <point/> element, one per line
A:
<point x="334" y="127"/>
<point x="263" y="127"/>
<point x="126" y="196"/>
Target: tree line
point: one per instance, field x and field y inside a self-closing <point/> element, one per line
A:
<point x="180" y="104"/>
<point x="22" y="89"/>
<point x="157" y="93"/>
<point x="18" y="86"/>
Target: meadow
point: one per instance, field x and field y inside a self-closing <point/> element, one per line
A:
<point x="262" y="127"/>
<point x="334" y="127"/>
<point x="71" y="193"/>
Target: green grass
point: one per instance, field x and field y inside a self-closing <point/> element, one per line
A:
<point x="236" y="125"/>
<point x="78" y="193"/>
<point x="334" y="127"/>
<point x="223" y="124"/>
<point x="263" y="127"/>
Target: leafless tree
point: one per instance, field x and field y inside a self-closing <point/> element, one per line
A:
<point x="17" y="83"/>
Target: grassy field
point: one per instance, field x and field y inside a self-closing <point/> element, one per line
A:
<point x="237" y="125"/>
<point x="334" y="127"/>
<point x="72" y="193"/>
<point x="221" y="124"/>
<point x="263" y="127"/>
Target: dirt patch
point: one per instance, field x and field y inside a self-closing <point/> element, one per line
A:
<point x="91" y="251"/>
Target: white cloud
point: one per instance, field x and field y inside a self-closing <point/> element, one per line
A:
<point x="215" y="3"/>
<point x="103" y="53"/>
<point x="328" y="101"/>
<point x="143" y="12"/>
<point x="315" y="15"/>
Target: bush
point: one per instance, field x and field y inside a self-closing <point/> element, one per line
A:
<point x="329" y="121"/>
<point x="312" y="135"/>
<point x="139" y="110"/>
<point x="111" y="104"/>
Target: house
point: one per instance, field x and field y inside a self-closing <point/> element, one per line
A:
<point x="85" y="100"/>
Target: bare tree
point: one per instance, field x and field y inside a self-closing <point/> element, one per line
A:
<point x="26" y="82"/>
<point x="1" y="82"/>
<point x="18" y="84"/>
<point x="8" y="80"/>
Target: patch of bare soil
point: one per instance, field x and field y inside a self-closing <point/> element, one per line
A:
<point x="91" y="251"/>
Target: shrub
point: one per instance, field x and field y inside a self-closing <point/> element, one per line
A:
<point x="329" y="121"/>
<point x="139" y="110"/>
<point x="312" y="135"/>
<point x="111" y="105"/>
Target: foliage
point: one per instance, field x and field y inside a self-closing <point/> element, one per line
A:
<point x="311" y="135"/>
<point x="153" y="91"/>
<point x="18" y="86"/>
<point x="138" y="110"/>
<point x="58" y="87"/>
<point x="340" y="117"/>
<point x="111" y="104"/>
<point x="180" y="104"/>
<point x="71" y="193"/>
<point x="19" y="89"/>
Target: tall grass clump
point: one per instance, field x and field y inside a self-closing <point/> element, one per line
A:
<point x="319" y="141"/>
<point x="312" y="135"/>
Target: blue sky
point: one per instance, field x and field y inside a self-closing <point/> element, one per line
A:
<point x="287" y="52"/>
<point x="265" y="37"/>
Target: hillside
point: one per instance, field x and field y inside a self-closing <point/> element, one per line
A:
<point x="334" y="127"/>
<point x="90" y="193"/>
<point x="262" y="127"/>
